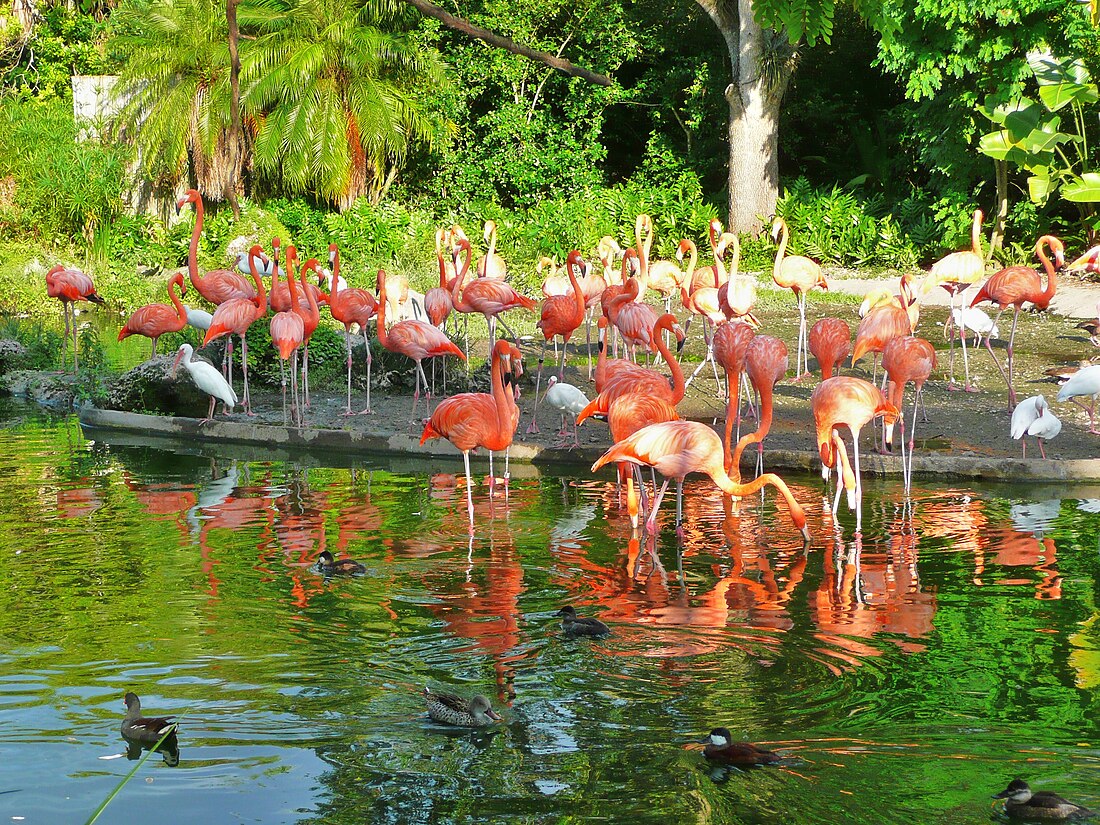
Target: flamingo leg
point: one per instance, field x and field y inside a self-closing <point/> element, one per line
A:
<point x="1004" y="374"/>
<point x="469" y="488"/>
<point x="680" y="508"/>
<point x="533" y="427"/>
<point x="427" y="392"/>
<point x="859" y="484"/>
<point x="651" y="522"/>
<point x="244" y="365"/>
<point x="416" y="395"/>
<point x="282" y="376"/>
<point x="229" y="356"/>
<point x="76" y="348"/>
<point x="65" y="337"/>
<point x="588" y="340"/>
<point x="1011" y="361"/>
<point x="295" y="406"/>
<point x="347" y="342"/>
<point x="967" y="387"/>
<point x="954" y="329"/>
<point x="366" y="343"/>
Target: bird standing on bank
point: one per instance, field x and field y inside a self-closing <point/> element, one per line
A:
<point x="207" y="378"/>
<point x="1033" y="417"/>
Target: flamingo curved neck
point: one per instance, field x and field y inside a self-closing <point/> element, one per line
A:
<point x="260" y="301"/>
<point x="766" y="409"/>
<point x="181" y="310"/>
<point x="501" y="396"/>
<point x="976" y="234"/>
<point x="193" y="249"/>
<point x="380" y="312"/>
<point x="458" y="300"/>
<point x="578" y="293"/>
<point x="1047" y="294"/>
<point x="782" y="250"/>
<point x="673" y="364"/>
<point x="334" y="289"/>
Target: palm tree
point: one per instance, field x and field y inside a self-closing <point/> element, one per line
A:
<point x="175" y="82"/>
<point x="334" y="88"/>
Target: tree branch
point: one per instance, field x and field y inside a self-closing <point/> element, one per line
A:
<point x="470" y="30"/>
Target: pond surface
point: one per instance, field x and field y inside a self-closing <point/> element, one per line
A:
<point x="904" y="678"/>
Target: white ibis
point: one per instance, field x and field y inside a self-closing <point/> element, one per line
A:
<point x="1033" y="417"/>
<point x="1085" y="381"/>
<point x="207" y="378"/>
<point x="568" y="400"/>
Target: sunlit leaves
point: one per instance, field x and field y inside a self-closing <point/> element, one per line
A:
<point x="337" y="98"/>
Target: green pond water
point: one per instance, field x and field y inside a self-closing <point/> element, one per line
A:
<point x="905" y="677"/>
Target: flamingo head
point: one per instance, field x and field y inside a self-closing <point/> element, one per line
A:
<point x="489" y="230"/>
<point x="178" y="280"/>
<point x="575" y="259"/>
<point x="333" y="251"/>
<point x="777" y="226"/>
<point x="684" y="248"/>
<point x="191" y="196"/>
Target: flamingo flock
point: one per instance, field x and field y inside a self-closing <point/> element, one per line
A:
<point x="638" y="401"/>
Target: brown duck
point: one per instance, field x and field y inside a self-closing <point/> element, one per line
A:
<point x="721" y="748"/>
<point x="574" y="625"/>
<point x="329" y="566"/>
<point x="449" y="709"/>
<point x="143" y="729"/>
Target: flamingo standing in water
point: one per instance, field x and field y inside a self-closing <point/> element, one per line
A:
<point x="1015" y="286"/>
<point x="414" y="339"/>
<point x="955" y="273"/>
<point x="236" y="315"/>
<point x="476" y="419"/>
<point x="676" y="448"/>
<point x="155" y="320"/>
<point x="489" y="296"/>
<point x="766" y="361"/>
<point x="68" y="286"/>
<point x="904" y="360"/>
<point x="561" y="315"/>
<point x="844" y="401"/>
<point x="830" y="342"/>
<point x="352" y="306"/>
<point x="207" y="378"/>
<point x="731" y="343"/>
<point x="798" y="274"/>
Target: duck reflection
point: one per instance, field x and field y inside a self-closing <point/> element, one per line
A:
<point x="169" y="749"/>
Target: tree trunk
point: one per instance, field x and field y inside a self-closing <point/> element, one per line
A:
<point x="753" y="129"/>
<point x="235" y="112"/>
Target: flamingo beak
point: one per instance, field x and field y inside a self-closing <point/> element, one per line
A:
<point x="805" y="531"/>
<point x="851" y="499"/>
<point x="890" y="437"/>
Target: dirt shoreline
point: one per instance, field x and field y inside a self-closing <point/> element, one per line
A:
<point x="971" y="428"/>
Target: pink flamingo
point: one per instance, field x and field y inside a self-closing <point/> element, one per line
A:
<point x="414" y="339"/>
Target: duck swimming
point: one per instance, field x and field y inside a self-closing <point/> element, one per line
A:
<point x="142" y="729"/>
<point x="721" y="748"/>
<point x="449" y="709"/>
<point x="329" y="566"/>
<point x="1022" y="802"/>
<point x="574" y="625"/>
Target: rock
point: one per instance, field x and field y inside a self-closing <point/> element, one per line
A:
<point x="148" y="388"/>
<point x="53" y="390"/>
<point x="12" y="354"/>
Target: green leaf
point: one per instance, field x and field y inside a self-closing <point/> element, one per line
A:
<point x="1083" y="189"/>
<point x="1040" y="187"/>
<point x="996" y="144"/>
<point x="1062" y="80"/>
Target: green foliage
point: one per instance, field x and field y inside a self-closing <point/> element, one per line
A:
<point x="63" y="43"/>
<point x="527" y="132"/>
<point x="175" y="80"/>
<point x="64" y="189"/>
<point x="949" y="55"/>
<point x="841" y="228"/>
<point x="1048" y="138"/>
<point x="43" y="345"/>
<point x="337" y="93"/>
